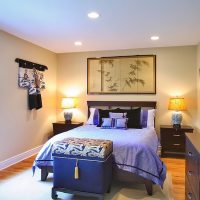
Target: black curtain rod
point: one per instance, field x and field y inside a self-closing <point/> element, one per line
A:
<point x="30" y="65"/>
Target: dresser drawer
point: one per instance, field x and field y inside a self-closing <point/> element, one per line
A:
<point x="189" y="194"/>
<point x="191" y="168"/>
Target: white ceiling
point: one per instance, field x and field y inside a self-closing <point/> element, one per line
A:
<point x="123" y="24"/>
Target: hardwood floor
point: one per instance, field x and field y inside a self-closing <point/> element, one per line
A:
<point x="177" y="169"/>
<point x="16" y="169"/>
<point x="175" y="166"/>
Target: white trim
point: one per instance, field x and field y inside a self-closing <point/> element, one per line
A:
<point x="22" y="156"/>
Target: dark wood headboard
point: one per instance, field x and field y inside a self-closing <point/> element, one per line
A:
<point x="130" y="104"/>
<point x="151" y="104"/>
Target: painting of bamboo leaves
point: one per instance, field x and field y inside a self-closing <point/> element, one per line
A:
<point x="122" y="75"/>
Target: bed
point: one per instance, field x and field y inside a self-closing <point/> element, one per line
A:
<point x="134" y="150"/>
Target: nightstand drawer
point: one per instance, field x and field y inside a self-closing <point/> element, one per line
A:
<point x="174" y="133"/>
<point x="60" y="127"/>
<point x="169" y="139"/>
<point x="175" y="146"/>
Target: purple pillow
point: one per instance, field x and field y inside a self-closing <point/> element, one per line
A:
<point x="94" y="117"/>
<point x="144" y="117"/>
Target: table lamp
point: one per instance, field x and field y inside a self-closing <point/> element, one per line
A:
<point x="68" y="103"/>
<point x="177" y="104"/>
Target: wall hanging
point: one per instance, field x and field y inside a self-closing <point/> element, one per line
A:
<point x="31" y="76"/>
<point x="122" y="75"/>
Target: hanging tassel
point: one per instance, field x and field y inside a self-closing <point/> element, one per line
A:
<point x="76" y="172"/>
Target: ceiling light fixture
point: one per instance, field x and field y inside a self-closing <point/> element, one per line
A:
<point x="155" y="37"/>
<point x="93" y="15"/>
<point x="78" y="43"/>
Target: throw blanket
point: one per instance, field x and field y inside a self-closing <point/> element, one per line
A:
<point x="134" y="150"/>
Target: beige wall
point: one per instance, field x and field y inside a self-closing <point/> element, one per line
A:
<point x="176" y="75"/>
<point x="21" y="129"/>
<point x="198" y="87"/>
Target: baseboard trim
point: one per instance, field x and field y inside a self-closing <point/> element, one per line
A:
<point x="15" y="159"/>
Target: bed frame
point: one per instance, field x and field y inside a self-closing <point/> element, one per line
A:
<point x="118" y="174"/>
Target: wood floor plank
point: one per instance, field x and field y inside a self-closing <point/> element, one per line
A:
<point x="177" y="169"/>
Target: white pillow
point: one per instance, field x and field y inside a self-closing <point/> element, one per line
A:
<point x="151" y="118"/>
<point x="107" y="123"/>
<point x="117" y="115"/>
<point x="121" y="123"/>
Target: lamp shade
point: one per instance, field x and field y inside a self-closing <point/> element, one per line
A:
<point x="68" y="102"/>
<point x="177" y="104"/>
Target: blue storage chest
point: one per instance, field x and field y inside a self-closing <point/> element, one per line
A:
<point x="82" y="166"/>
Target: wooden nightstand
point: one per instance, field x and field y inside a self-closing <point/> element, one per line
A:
<point x="173" y="140"/>
<point x="61" y="126"/>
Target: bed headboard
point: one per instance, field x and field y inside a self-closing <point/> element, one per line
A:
<point x="130" y="104"/>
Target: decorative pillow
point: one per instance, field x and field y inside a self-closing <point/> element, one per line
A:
<point x="148" y="118"/>
<point x="94" y="117"/>
<point x="117" y="115"/>
<point x="103" y="114"/>
<point x="133" y="116"/>
<point x="107" y="123"/>
<point x="121" y="123"/>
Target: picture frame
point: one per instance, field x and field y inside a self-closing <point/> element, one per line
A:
<point x="122" y="75"/>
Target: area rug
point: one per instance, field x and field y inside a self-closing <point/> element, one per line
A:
<point x="26" y="187"/>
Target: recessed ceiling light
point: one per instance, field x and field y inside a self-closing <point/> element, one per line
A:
<point x="78" y="43"/>
<point x="154" y="37"/>
<point x="93" y="15"/>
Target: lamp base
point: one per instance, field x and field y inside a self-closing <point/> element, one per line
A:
<point x="68" y="121"/>
<point x="176" y="126"/>
<point x="68" y="117"/>
<point x="177" y="119"/>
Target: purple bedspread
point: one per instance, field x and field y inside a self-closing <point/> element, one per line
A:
<point x="134" y="150"/>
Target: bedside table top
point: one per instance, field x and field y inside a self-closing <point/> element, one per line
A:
<point x="171" y="127"/>
<point x="72" y="123"/>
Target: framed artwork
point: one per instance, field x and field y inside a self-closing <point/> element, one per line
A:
<point x="122" y="75"/>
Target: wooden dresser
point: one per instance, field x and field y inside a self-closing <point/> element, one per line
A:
<point x="192" y="167"/>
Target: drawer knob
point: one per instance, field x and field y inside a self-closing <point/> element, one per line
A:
<point x="189" y="173"/>
<point x="189" y="153"/>
<point x="176" y="144"/>
<point x="189" y="195"/>
<point x="176" y="135"/>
